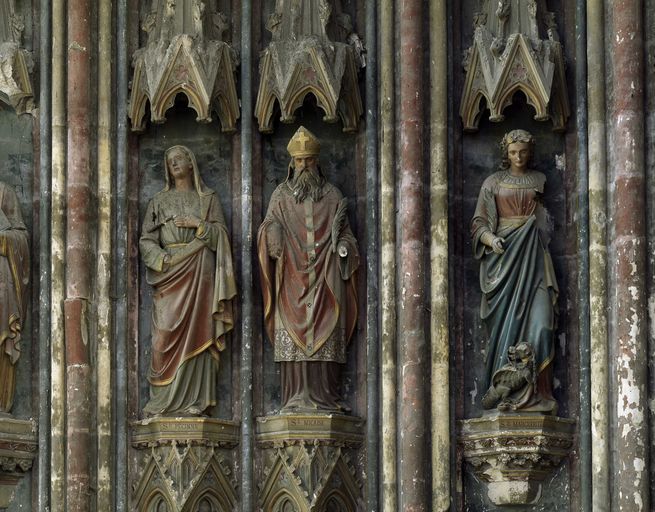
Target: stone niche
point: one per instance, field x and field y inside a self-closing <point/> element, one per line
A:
<point x="186" y="464"/>
<point x="515" y="453"/>
<point x="308" y="463"/>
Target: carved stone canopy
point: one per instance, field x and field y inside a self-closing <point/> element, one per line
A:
<point x="515" y="48"/>
<point x="313" y="51"/>
<point x="185" y="54"/>
<point x="15" y="62"/>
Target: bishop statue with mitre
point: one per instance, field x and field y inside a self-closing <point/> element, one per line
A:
<point x="308" y="257"/>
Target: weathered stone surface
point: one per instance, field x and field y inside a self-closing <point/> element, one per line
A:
<point x="185" y="55"/>
<point x="313" y="51"/>
<point x="185" y="463"/>
<point x="509" y="54"/>
<point x="308" y="462"/>
<point x="514" y="453"/>
<point x="18" y="445"/>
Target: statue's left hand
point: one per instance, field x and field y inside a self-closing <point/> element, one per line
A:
<point x="187" y="221"/>
<point x="342" y="249"/>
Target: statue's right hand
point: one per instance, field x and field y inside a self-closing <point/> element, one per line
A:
<point x="275" y="250"/>
<point x="497" y="245"/>
<point x="167" y="263"/>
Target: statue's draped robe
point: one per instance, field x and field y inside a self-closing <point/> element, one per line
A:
<point x="519" y="291"/>
<point x="310" y="301"/>
<point x="14" y="278"/>
<point x="192" y="300"/>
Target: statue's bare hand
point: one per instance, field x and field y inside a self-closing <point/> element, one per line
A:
<point x="497" y="245"/>
<point x="187" y="221"/>
<point x="342" y="249"/>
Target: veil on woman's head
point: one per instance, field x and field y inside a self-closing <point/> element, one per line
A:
<point x="199" y="185"/>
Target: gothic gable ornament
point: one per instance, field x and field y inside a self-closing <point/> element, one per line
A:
<point x="15" y="62"/>
<point x="185" y="54"/>
<point x="508" y="55"/>
<point x="313" y="50"/>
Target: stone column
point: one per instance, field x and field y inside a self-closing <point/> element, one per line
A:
<point x="79" y="267"/>
<point x="57" y="248"/>
<point x="412" y="347"/>
<point x="439" y="333"/>
<point x="104" y="429"/>
<point x="389" y="478"/>
<point x="628" y="322"/>
<point x="598" y="257"/>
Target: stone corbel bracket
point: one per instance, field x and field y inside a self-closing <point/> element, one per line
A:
<point x="185" y="464"/>
<point x="15" y="63"/>
<point x="18" y="445"/>
<point x="201" y="68"/>
<point x="308" y="462"/>
<point x="515" y="453"/>
<point x="498" y="67"/>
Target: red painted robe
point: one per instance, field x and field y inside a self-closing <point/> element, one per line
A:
<point x="310" y="301"/>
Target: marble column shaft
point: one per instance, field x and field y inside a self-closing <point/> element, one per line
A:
<point x="628" y="323"/>
<point x="412" y="347"/>
<point x="79" y="267"/>
<point x="439" y="333"/>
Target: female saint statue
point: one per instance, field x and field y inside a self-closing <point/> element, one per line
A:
<point x="14" y="277"/>
<point x="185" y="247"/>
<point x="511" y="232"/>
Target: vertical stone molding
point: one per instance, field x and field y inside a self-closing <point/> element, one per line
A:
<point x="18" y="444"/>
<point x="313" y="50"/>
<point x="185" y="54"/>
<point x="515" y="453"/>
<point x="15" y="62"/>
<point x="309" y="463"/>
<point x="515" y="48"/>
<point x="186" y="464"/>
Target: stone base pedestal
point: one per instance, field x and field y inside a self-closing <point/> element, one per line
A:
<point x="18" y="444"/>
<point x="309" y="462"/>
<point x="514" y="453"/>
<point x="185" y="464"/>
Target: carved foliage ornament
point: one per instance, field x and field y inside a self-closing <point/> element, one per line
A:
<point x="313" y="50"/>
<point x="15" y="62"/>
<point x="515" y="48"/>
<point x="515" y="453"/>
<point x="185" y="54"/>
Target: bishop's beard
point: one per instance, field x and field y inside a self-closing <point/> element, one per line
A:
<point x="307" y="183"/>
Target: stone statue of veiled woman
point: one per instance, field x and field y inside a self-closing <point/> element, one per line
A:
<point x="14" y="278"/>
<point x="511" y="232"/>
<point x="185" y="247"/>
